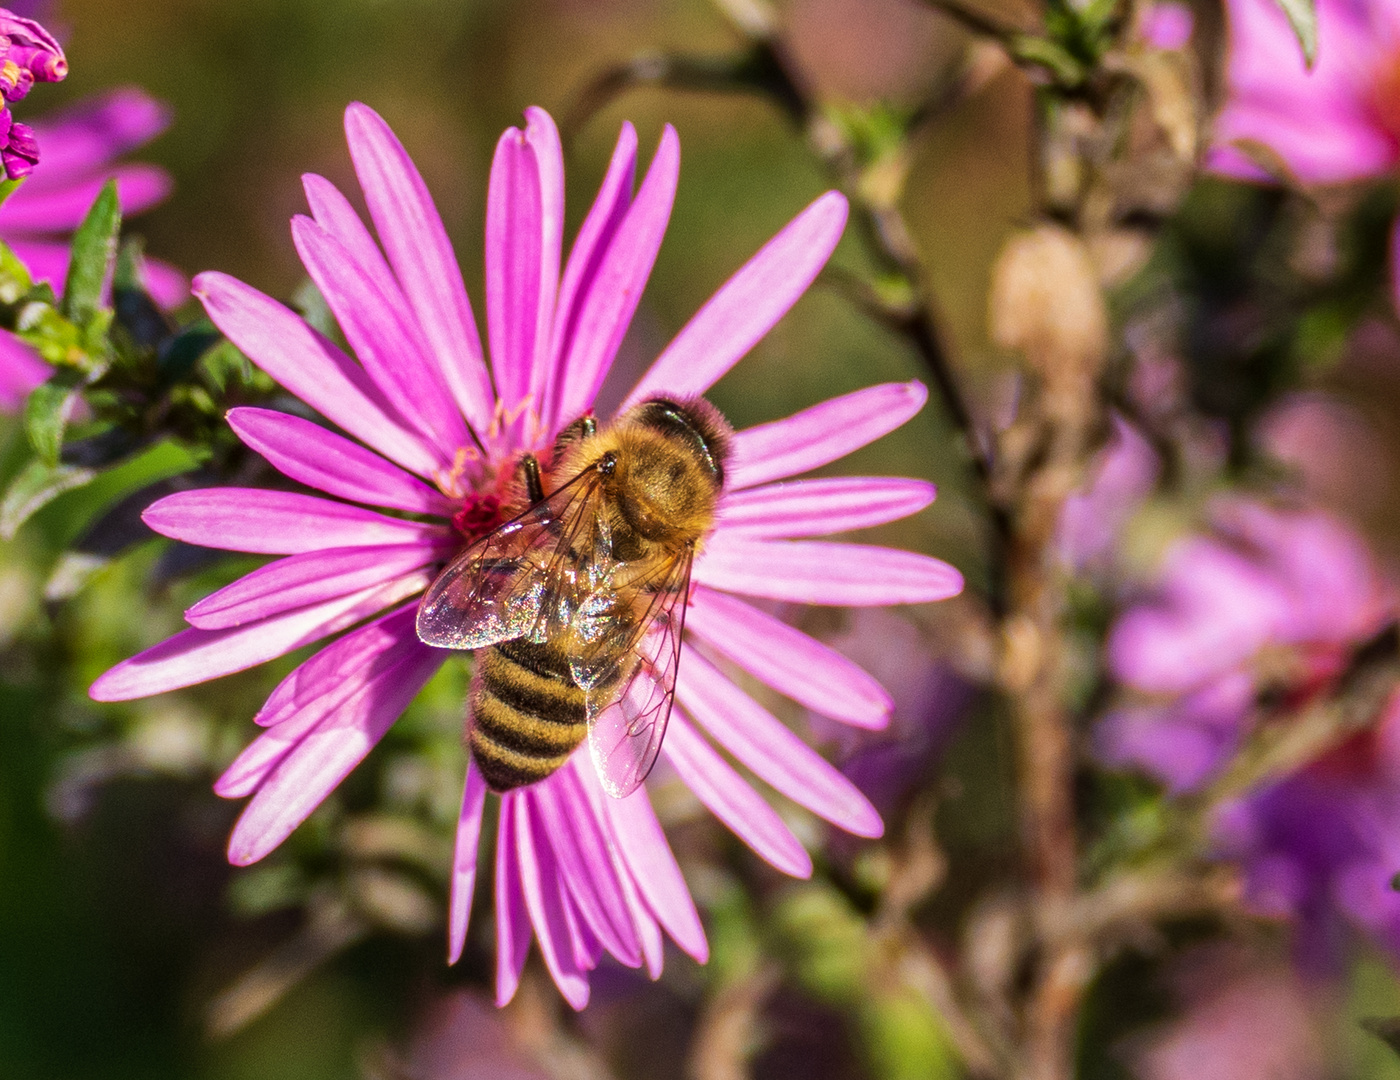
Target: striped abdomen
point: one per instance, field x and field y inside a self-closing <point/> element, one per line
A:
<point x="527" y="713"/>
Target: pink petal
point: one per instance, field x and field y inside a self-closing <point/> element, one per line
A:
<point x="87" y="136"/>
<point x="513" y="256"/>
<point x="312" y="368"/>
<point x="168" y="285"/>
<point x="278" y="522"/>
<point x="196" y="656"/>
<point x="384" y="337"/>
<point x="62" y="209"/>
<point x="421" y="254"/>
<point x="643" y="845"/>
<point x="792" y="663"/>
<point x="333" y="212"/>
<point x="823" y="572"/>
<point x="21" y="370"/>
<point x="311" y="685"/>
<point x="464" y="862"/>
<point x="582" y="853"/>
<point x="543" y="138"/>
<point x="303" y="779"/>
<point x="542" y="884"/>
<point x="730" y="799"/>
<point x="590" y="246"/>
<point x="821" y="507"/>
<point x="822" y="433"/>
<point x="312" y="455"/>
<point x="607" y="301"/>
<point x="45" y="260"/>
<point x="310" y="578"/>
<point x="746" y="306"/>
<point x="512" y="919"/>
<point x="755" y="736"/>
<point x="308" y="699"/>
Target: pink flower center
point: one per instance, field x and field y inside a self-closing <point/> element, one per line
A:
<point x="480" y="514"/>
<point x="1384" y="97"/>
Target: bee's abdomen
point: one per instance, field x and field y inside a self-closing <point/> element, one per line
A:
<point x="527" y="714"/>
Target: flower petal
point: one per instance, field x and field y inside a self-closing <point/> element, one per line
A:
<point x="421" y="254"/>
<point x="303" y="779"/>
<point x="607" y="302"/>
<point x="21" y="370"/>
<point x="312" y="368"/>
<point x="464" y="850"/>
<point x="333" y="212"/>
<point x="56" y="210"/>
<point x="542" y="884"/>
<point x="791" y="662"/>
<point x="582" y="853"/>
<point x="513" y="256"/>
<point x="822" y="433"/>
<point x="755" y="736"/>
<point x="196" y="656"/>
<point x="543" y="137"/>
<point x="312" y="455"/>
<point x="746" y="306"/>
<point x="384" y="337"/>
<point x="594" y="239"/>
<point x="824" y="572"/>
<point x="512" y="918"/>
<point x="278" y="522"/>
<point x="729" y="797"/>
<point x="310" y="578"/>
<point x="86" y="137"/>
<point x="643" y="845"/>
<point x="821" y="507"/>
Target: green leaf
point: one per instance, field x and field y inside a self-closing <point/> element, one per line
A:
<point x="94" y="247"/>
<point x="1385" y="1028"/>
<point x="47" y="410"/>
<point x="34" y="488"/>
<point x="8" y="187"/>
<point x="1302" y="16"/>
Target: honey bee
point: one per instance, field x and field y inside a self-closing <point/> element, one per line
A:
<point x="575" y="606"/>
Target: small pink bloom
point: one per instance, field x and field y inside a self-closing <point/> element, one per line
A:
<point x="28" y="54"/>
<point x="81" y="148"/>
<point x="434" y="430"/>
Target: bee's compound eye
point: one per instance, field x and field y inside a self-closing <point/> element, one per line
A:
<point x="607" y="464"/>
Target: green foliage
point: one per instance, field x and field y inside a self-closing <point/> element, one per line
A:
<point x="94" y="248"/>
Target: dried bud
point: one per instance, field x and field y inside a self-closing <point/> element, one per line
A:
<point x="1045" y="302"/>
<point x="20" y="153"/>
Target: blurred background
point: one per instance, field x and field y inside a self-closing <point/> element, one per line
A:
<point x="128" y="947"/>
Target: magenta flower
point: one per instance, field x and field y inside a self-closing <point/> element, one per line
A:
<point x="28" y="54"/>
<point x="81" y="145"/>
<point x="587" y="872"/>
<point x="1266" y="581"/>
<point x="1338" y="121"/>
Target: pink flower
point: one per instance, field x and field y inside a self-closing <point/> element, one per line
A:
<point x="584" y="872"/>
<point x="1265" y="580"/>
<point x="28" y="54"/>
<point x="1338" y="121"/>
<point x="81" y="145"/>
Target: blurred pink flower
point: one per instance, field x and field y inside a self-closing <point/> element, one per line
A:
<point x="1339" y="121"/>
<point x="1167" y="25"/>
<point x="80" y="146"/>
<point x="1092" y="520"/>
<point x="1240" y="1023"/>
<point x="1265" y="579"/>
<point x="587" y="872"/>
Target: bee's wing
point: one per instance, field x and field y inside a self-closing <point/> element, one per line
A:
<point x="625" y="728"/>
<point x="525" y="579"/>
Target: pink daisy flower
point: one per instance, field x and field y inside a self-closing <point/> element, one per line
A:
<point x="80" y="146"/>
<point x="439" y="434"/>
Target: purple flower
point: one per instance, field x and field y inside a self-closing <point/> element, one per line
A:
<point x="1338" y="121"/>
<point x="1267" y="581"/>
<point x="28" y="54"/>
<point x="1321" y="847"/>
<point x="81" y="145"/>
<point x="584" y="872"/>
<point x="1092" y="520"/>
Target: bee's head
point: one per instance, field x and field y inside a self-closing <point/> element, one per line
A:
<point x="668" y="469"/>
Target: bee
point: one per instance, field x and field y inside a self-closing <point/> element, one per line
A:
<point x="575" y="606"/>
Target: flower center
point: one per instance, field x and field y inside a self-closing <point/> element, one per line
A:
<point x="480" y="514"/>
<point x="1384" y="96"/>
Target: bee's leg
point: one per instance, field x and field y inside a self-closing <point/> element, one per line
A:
<point x="534" y="483"/>
<point x="582" y="429"/>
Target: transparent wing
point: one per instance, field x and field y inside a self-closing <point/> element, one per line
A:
<point x="630" y="691"/>
<point x="525" y="579"/>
